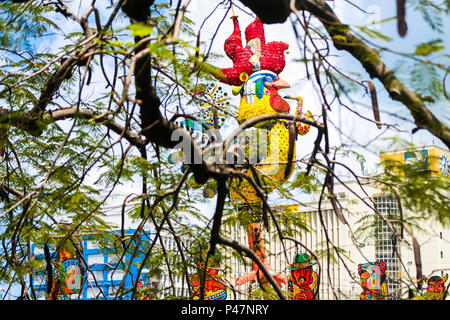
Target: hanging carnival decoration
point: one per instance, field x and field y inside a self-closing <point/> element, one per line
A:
<point x="67" y="275"/>
<point x="255" y="77"/>
<point x="71" y="272"/>
<point x="214" y="288"/>
<point x="303" y="281"/>
<point x="373" y="281"/>
<point x="436" y="287"/>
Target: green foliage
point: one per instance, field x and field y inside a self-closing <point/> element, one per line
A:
<point x="140" y="29"/>
<point x="419" y="190"/>
<point x="375" y="34"/>
<point x="424" y="78"/>
<point x="265" y="294"/>
<point x="21" y="23"/>
<point x="432" y="11"/>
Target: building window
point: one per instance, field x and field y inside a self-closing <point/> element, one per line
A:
<point x="113" y="258"/>
<point x="92" y="245"/>
<point x="96" y="275"/>
<point x="40" y="294"/>
<point x="93" y="292"/>
<point x="116" y="275"/>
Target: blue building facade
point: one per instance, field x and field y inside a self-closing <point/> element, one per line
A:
<point x="105" y="272"/>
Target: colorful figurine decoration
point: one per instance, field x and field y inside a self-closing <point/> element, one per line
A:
<point x="302" y="283"/>
<point x="255" y="75"/>
<point x="257" y="55"/>
<point x="55" y="291"/>
<point x="67" y="278"/>
<point x="373" y="281"/>
<point x="214" y="288"/>
<point x="436" y="287"/>
<point x="70" y="273"/>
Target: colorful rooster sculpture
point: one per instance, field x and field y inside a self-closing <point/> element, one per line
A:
<point x="255" y="75"/>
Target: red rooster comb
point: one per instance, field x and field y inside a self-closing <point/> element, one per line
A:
<point x="256" y="55"/>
